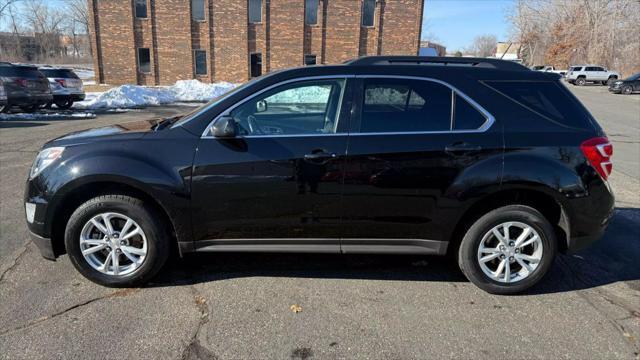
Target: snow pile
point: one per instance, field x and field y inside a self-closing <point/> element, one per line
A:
<point x="131" y="96"/>
<point x="302" y="95"/>
<point x="194" y="90"/>
<point x="48" y="116"/>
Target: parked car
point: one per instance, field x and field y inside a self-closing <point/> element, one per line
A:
<point x="626" y="86"/>
<point x="498" y="165"/>
<point x="581" y="74"/>
<point x="65" y="85"/>
<point x="548" y="68"/>
<point x="23" y="86"/>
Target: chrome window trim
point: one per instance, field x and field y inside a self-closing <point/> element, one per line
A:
<point x="490" y="119"/>
<point x="228" y="111"/>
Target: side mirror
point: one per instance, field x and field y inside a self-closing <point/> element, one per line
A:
<point x="261" y="106"/>
<point x="224" y="127"/>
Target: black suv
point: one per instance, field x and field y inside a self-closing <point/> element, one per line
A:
<point x="483" y="159"/>
<point x="626" y="86"/>
<point x="23" y="86"/>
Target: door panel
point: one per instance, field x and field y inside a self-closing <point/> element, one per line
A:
<point x="414" y="184"/>
<point x="281" y="178"/>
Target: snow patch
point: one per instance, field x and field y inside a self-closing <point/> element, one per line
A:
<point x="48" y="116"/>
<point x="132" y="96"/>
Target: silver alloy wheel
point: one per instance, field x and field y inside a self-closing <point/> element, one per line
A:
<point x="510" y="252"/>
<point x="113" y="244"/>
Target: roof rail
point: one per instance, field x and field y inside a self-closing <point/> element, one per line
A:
<point x="439" y="60"/>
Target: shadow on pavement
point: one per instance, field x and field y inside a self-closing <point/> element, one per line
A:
<point x="20" y="124"/>
<point x="612" y="259"/>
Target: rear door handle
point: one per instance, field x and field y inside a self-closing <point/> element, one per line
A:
<point x="461" y="148"/>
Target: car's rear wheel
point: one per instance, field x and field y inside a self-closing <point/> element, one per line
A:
<point x="117" y="240"/>
<point x="627" y="90"/>
<point x="508" y="250"/>
<point x="64" y="104"/>
<point x="581" y="81"/>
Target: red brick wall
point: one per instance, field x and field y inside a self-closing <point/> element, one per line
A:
<point x="175" y="53"/>
<point x="286" y="21"/>
<point x="282" y="37"/>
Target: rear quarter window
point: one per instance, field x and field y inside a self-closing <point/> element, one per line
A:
<point x="20" y="71"/>
<point x="548" y="99"/>
<point x="59" y="73"/>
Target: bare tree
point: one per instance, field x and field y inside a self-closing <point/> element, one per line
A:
<point x="566" y="32"/>
<point x="484" y="46"/>
<point x="5" y="5"/>
<point x="79" y="27"/>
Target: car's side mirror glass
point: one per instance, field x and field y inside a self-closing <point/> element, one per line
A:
<point x="261" y="106"/>
<point x="224" y="127"/>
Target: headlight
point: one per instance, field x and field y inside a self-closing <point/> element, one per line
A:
<point x="45" y="158"/>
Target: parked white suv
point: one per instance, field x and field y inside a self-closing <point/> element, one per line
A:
<point x="581" y="74"/>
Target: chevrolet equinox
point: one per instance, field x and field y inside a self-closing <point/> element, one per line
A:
<point x="486" y="160"/>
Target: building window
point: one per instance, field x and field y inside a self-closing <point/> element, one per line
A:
<point x="141" y="8"/>
<point x="256" y="65"/>
<point x="311" y="12"/>
<point x="200" y="60"/>
<point x="255" y="11"/>
<point x="144" y="60"/>
<point x="310" y="59"/>
<point x="368" y="11"/>
<point x="197" y="10"/>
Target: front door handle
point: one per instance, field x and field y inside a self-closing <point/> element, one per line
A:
<point x="461" y="148"/>
<point x="320" y="156"/>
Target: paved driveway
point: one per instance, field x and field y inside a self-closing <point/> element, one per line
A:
<point x="240" y="305"/>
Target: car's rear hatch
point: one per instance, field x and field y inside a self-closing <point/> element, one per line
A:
<point x="21" y="79"/>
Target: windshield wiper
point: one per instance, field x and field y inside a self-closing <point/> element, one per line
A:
<point x="166" y="122"/>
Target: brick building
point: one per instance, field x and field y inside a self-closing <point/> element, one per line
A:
<point x="155" y="42"/>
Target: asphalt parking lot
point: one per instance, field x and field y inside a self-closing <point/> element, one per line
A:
<point x="219" y="306"/>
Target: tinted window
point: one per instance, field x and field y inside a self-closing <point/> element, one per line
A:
<point x="197" y="10"/>
<point x="548" y="99"/>
<point x="311" y="12"/>
<point x="141" y="8"/>
<point x="22" y="71"/>
<point x="466" y="117"/>
<point x="397" y="105"/>
<point x="200" y="58"/>
<point x="144" y="60"/>
<point x="309" y="107"/>
<point x="309" y="59"/>
<point x="256" y="65"/>
<point x="368" y="11"/>
<point x="577" y="68"/>
<point x="59" y="73"/>
<point x="255" y="11"/>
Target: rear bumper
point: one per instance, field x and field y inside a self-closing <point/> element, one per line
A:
<point x="44" y="245"/>
<point x="29" y="100"/>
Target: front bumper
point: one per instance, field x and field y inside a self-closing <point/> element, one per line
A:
<point x="615" y="90"/>
<point x="44" y="245"/>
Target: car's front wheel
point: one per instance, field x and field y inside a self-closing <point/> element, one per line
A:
<point x="117" y="240"/>
<point x="627" y="90"/>
<point x="508" y="250"/>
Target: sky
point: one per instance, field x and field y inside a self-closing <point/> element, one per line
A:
<point x="455" y="23"/>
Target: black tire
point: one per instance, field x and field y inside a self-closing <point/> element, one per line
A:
<point x="581" y="81"/>
<point x="468" y="251"/>
<point x="610" y="80"/>
<point x="145" y="216"/>
<point x="605" y="83"/>
<point x="64" y="104"/>
<point x="29" y="109"/>
<point x="626" y="90"/>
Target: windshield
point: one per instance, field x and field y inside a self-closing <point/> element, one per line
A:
<point x="190" y="115"/>
<point x="633" y="77"/>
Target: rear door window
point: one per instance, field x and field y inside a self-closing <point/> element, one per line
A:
<point x="403" y="105"/>
<point x="466" y="116"/>
<point x="545" y="98"/>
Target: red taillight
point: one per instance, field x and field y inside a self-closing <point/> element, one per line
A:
<point x="62" y="82"/>
<point x="20" y="81"/>
<point x="598" y="152"/>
